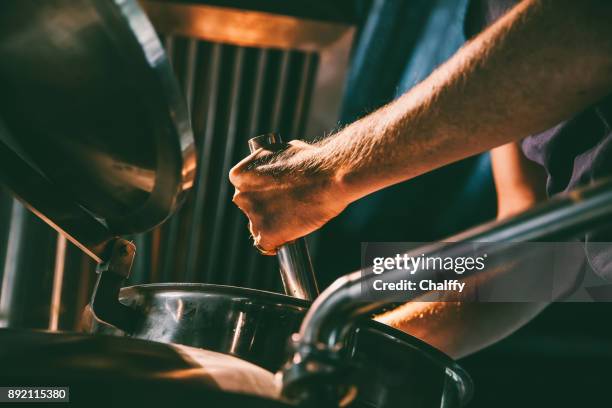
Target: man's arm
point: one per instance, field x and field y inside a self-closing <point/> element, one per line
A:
<point x="536" y="66"/>
<point x="461" y="328"/>
<point x="520" y="183"/>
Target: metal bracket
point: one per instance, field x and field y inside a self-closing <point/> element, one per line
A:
<point x="105" y="303"/>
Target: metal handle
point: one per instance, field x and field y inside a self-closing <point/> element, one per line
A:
<point x="112" y="273"/>
<point x="294" y="261"/>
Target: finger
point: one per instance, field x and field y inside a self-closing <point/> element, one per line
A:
<point x="238" y="199"/>
<point x="265" y="247"/>
<point x="264" y="250"/>
<point x="240" y="171"/>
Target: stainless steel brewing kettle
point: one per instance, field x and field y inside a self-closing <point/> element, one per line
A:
<point x="95" y="138"/>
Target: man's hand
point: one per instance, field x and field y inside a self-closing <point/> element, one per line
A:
<point x="286" y="194"/>
<point x="538" y="65"/>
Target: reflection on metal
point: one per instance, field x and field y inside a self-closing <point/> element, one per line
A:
<point x="238" y="224"/>
<point x="10" y="268"/>
<point x="280" y="91"/>
<point x="228" y="156"/>
<point x="301" y="101"/>
<point x="205" y="152"/>
<point x="237" y="337"/>
<point x="100" y="157"/>
<point x="25" y="292"/>
<point x="58" y="279"/>
<point x="277" y="74"/>
<point x="245" y="28"/>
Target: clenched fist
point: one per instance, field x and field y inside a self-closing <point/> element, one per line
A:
<point x="286" y="194"/>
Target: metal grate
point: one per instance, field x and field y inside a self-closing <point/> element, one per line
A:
<point x="234" y="93"/>
<point x="239" y="80"/>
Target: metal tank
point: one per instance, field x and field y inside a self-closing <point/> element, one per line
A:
<point x="242" y="72"/>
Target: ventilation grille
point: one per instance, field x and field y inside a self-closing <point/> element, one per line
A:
<point x="234" y="93"/>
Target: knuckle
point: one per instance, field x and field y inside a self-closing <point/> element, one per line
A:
<point x="238" y="197"/>
<point x="235" y="175"/>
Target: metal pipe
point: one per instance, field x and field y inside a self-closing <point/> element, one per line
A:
<point x="293" y="258"/>
<point x="281" y="88"/>
<point x="11" y="262"/>
<point x="58" y="280"/>
<point x="239" y="226"/>
<point x="171" y="232"/>
<point x="230" y="142"/>
<point x="301" y="102"/>
<point x="334" y="313"/>
<point x="194" y="247"/>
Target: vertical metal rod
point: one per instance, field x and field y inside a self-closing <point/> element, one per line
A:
<point x="155" y="245"/>
<point x="280" y="91"/>
<point x="140" y="269"/>
<point x="254" y="261"/>
<point x="269" y="278"/>
<point x="84" y="288"/>
<point x="293" y="259"/>
<point x="169" y="46"/>
<point x="190" y="69"/>
<point x="308" y="72"/>
<point x="300" y="108"/>
<point x="174" y="224"/>
<point x="58" y="280"/>
<point x="146" y="268"/>
<point x="195" y="237"/>
<point x="230" y="142"/>
<point x="238" y="227"/>
<point x="11" y="262"/>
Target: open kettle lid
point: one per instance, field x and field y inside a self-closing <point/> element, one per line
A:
<point x="94" y="133"/>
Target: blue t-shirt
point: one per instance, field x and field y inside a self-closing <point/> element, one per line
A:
<point x="575" y="152"/>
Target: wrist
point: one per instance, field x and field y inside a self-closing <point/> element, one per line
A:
<point x="330" y="166"/>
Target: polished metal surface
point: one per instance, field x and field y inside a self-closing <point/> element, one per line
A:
<point x="25" y="291"/>
<point x="110" y="371"/>
<point x="333" y="315"/>
<point x="390" y="368"/>
<point x="297" y="273"/>
<point x="398" y="370"/>
<point x="253" y="325"/>
<point x="94" y="134"/>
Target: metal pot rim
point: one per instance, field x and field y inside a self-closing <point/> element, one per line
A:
<point x="460" y="377"/>
<point x="217" y="289"/>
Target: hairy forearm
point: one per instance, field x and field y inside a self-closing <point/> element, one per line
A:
<point x="538" y="65"/>
<point x="461" y="328"/>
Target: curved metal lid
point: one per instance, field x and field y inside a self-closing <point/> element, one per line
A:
<point x="115" y="370"/>
<point x="94" y="134"/>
